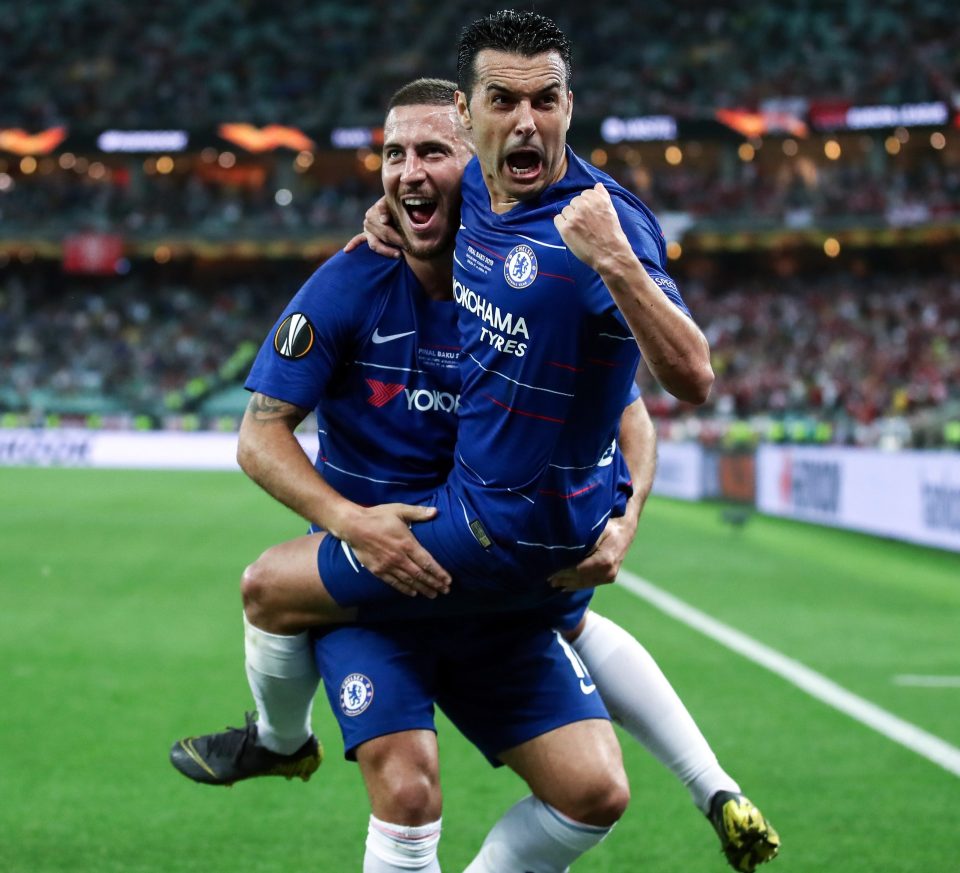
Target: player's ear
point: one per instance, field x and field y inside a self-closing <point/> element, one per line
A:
<point x="463" y="110"/>
<point x="569" y="108"/>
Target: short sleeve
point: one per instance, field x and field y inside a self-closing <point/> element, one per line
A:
<point x="315" y="332"/>
<point x="647" y="241"/>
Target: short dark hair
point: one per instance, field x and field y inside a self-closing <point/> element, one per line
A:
<point x="520" y="33"/>
<point x="424" y="92"/>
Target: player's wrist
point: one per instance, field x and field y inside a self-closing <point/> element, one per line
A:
<point x="631" y="515"/>
<point x="617" y="265"/>
<point x="342" y="519"/>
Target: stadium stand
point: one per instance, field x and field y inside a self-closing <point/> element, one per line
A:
<point x="207" y="243"/>
<point x="711" y="190"/>
<point x="840" y="348"/>
<point x="117" y="64"/>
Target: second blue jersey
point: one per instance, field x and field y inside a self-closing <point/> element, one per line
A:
<point x="365" y="346"/>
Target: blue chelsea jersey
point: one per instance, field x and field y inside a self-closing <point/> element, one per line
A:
<point x="363" y="345"/>
<point x="547" y="366"/>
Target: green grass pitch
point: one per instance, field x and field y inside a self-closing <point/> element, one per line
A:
<point x="120" y="631"/>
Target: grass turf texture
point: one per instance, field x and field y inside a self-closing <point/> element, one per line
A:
<point x="120" y="631"/>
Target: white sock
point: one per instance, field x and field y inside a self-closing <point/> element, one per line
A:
<point x="640" y="698"/>
<point x="283" y="678"/>
<point x="394" y="848"/>
<point x="533" y="837"/>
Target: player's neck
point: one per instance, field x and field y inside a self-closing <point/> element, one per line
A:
<point x="435" y="274"/>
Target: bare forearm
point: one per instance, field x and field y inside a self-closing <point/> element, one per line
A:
<point x="674" y="348"/>
<point x="638" y="442"/>
<point x="270" y="454"/>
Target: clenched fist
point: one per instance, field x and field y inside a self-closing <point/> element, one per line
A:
<point x="590" y="227"/>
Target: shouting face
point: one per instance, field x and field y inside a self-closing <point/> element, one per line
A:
<point x="519" y="111"/>
<point x="424" y="153"/>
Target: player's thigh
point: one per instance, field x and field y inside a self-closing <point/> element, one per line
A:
<point x="282" y="589"/>
<point x="507" y="681"/>
<point x="379" y="680"/>
<point x="402" y="774"/>
<point x="576" y="768"/>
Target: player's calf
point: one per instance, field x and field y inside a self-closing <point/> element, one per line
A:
<point x="393" y="848"/>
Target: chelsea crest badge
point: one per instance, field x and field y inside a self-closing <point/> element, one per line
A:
<point x="356" y="694"/>
<point x="520" y="267"/>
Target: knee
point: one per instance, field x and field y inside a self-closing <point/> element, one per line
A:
<point x="614" y="801"/>
<point x="256" y="590"/>
<point x="603" y="801"/>
<point x="404" y="788"/>
<point x="413" y="798"/>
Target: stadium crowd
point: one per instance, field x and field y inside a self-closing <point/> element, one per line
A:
<point x="62" y="202"/>
<point x="837" y="347"/>
<point x="111" y="64"/>
<point x="840" y="344"/>
<point x="784" y="191"/>
<point x="121" y="345"/>
<point x="802" y="191"/>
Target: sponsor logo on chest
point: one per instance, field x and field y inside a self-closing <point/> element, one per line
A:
<point x="505" y="331"/>
<point x="417" y="399"/>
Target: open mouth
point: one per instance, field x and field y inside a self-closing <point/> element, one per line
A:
<point x="524" y="164"/>
<point x="420" y="210"/>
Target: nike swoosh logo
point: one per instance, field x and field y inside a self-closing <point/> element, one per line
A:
<point x="187" y="746"/>
<point x="587" y="689"/>
<point x="378" y="338"/>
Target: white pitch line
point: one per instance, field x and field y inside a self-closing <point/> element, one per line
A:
<point x="913" y="680"/>
<point x="916" y="739"/>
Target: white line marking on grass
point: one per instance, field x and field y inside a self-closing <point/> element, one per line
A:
<point x="916" y="739"/>
<point x="927" y="681"/>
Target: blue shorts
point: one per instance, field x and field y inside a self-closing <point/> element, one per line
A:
<point x="501" y="682"/>
<point x="566" y="612"/>
<point x="485" y="580"/>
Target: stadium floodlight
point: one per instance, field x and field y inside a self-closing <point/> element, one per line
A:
<point x="648" y="128"/>
<point x="143" y="141"/>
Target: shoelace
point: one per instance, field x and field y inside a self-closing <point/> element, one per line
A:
<point x="230" y="743"/>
